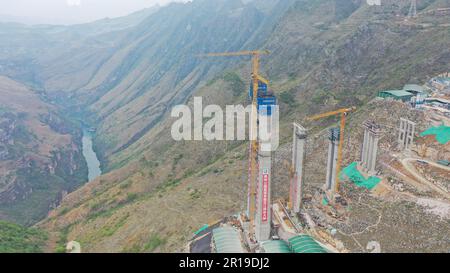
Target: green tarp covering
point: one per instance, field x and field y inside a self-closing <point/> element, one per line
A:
<point x="356" y="177"/>
<point x="276" y="247"/>
<point x="203" y="228"/>
<point x="305" y="244"/>
<point x="442" y="133"/>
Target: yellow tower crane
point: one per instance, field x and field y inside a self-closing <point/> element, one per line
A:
<point x="253" y="164"/>
<point x="343" y="113"/>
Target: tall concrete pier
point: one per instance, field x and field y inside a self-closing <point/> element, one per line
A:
<point x="298" y="158"/>
<point x="263" y="217"/>
<point x="370" y="146"/>
<point x="332" y="159"/>
<point x="268" y="142"/>
<point x="407" y="131"/>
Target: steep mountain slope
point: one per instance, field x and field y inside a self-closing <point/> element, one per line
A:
<point x="159" y="68"/>
<point x="344" y="51"/>
<point x="132" y="77"/>
<point x="40" y="155"/>
<point x="344" y="59"/>
<point x="41" y="148"/>
<point x="324" y="55"/>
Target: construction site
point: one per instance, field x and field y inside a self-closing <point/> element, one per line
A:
<point x="399" y="151"/>
<point x="398" y="159"/>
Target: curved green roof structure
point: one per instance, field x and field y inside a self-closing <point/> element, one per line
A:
<point x="305" y="244"/>
<point x="226" y="240"/>
<point x="276" y="247"/>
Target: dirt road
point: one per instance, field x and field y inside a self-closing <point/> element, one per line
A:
<point x="411" y="169"/>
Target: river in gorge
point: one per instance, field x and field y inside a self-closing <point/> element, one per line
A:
<point x="90" y="156"/>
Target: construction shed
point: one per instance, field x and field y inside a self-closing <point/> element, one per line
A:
<point x="227" y="240"/>
<point x="439" y="102"/>
<point x="402" y="95"/>
<point x="278" y="246"/>
<point x="414" y="89"/>
<point x="444" y="163"/>
<point x="305" y="244"/>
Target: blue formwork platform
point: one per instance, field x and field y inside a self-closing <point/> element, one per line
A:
<point x="266" y="105"/>
<point x="262" y="90"/>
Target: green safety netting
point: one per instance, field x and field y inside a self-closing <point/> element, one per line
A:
<point x="203" y="228"/>
<point x="305" y="244"/>
<point x="276" y="247"/>
<point x="226" y="240"/>
<point x="442" y="133"/>
<point x="356" y="177"/>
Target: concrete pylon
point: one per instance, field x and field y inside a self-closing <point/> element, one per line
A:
<point x="406" y="134"/>
<point x="370" y="146"/>
<point x="298" y="158"/>
<point x="263" y="217"/>
<point x="364" y="149"/>
<point x="332" y="159"/>
<point x="263" y="208"/>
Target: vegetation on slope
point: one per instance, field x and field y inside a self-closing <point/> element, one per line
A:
<point x="18" y="239"/>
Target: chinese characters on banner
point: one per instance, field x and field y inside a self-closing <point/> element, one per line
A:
<point x="265" y="198"/>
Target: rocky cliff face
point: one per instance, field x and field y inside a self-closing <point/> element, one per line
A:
<point x="40" y="155"/>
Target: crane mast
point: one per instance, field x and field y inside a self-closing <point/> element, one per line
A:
<point x="342" y="113"/>
<point x="254" y="145"/>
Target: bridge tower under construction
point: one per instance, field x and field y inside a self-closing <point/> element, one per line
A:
<point x="298" y="158"/>
<point x="334" y="138"/>
<point x="267" y="135"/>
<point x="370" y="146"/>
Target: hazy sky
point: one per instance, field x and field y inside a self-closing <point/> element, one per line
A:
<point x="72" y="11"/>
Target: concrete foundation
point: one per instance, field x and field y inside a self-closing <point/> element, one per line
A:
<point x="298" y="158"/>
<point x="330" y="183"/>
